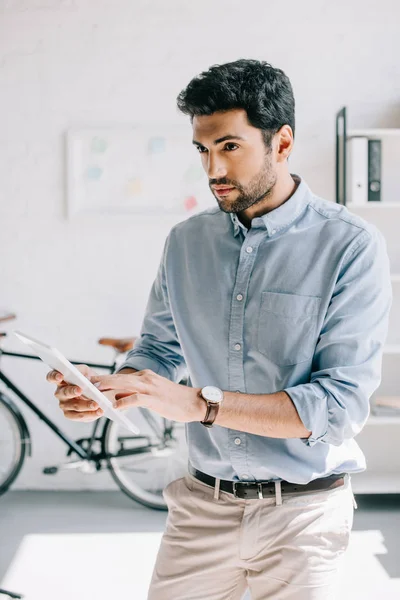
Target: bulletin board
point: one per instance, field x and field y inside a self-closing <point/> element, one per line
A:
<point x="136" y="170"/>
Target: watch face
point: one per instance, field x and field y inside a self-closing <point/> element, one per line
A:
<point x="212" y="394"/>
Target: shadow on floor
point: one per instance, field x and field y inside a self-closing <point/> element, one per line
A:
<point x="382" y="512"/>
<point x="25" y="512"/>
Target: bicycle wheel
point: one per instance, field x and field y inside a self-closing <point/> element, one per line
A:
<point x="12" y="447"/>
<point x="143" y="465"/>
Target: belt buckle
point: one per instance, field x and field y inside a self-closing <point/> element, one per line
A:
<point x="234" y="489"/>
<point x="241" y="483"/>
<point x="248" y="483"/>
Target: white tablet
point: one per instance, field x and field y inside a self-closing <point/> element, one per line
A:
<point x="55" y="360"/>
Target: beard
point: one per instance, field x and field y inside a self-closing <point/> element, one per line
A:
<point x="259" y="188"/>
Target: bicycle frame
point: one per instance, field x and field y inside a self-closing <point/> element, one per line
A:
<point x="73" y="446"/>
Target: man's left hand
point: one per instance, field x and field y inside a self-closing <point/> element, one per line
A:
<point x="147" y="389"/>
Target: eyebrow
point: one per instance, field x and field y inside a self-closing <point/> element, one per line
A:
<point x="222" y="139"/>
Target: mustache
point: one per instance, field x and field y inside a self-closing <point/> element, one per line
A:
<point x="223" y="181"/>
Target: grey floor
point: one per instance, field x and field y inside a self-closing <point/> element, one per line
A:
<point x="84" y="545"/>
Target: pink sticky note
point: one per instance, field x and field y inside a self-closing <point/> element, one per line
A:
<point x="190" y="202"/>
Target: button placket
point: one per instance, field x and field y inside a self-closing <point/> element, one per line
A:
<point x="248" y="254"/>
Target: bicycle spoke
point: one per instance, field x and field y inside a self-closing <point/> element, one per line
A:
<point x="144" y="475"/>
<point x="11" y="450"/>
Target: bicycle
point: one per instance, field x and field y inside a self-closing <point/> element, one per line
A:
<point x="141" y="465"/>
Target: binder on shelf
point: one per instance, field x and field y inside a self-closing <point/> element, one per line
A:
<point x="374" y="170"/>
<point x="358" y="170"/>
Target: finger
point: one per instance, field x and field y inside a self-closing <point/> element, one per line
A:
<point x="78" y="405"/>
<point x="116" y="382"/>
<point x="123" y="401"/>
<point x="65" y="392"/>
<point x="85" y="370"/>
<point x="85" y="417"/>
<point x="54" y="377"/>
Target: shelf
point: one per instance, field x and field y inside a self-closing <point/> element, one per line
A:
<point x="375" y="483"/>
<point x="377" y="420"/>
<point x="373" y="133"/>
<point x="373" y="205"/>
<point x="391" y="349"/>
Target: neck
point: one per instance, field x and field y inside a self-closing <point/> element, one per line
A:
<point x="283" y="189"/>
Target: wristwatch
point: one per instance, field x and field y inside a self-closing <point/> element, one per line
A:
<point x="214" y="398"/>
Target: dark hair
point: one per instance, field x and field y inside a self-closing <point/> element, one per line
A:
<point x="265" y="93"/>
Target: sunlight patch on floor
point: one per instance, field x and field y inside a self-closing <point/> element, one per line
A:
<point x="83" y="566"/>
<point x="119" y="565"/>
<point x="362" y="576"/>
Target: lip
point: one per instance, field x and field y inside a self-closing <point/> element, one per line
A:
<point x="223" y="191"/>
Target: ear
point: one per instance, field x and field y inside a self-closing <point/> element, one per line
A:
<point x="284" y="143"/>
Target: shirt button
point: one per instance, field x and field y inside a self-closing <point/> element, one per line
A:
<point x="273" y="231"/>
<point x="249" y="249"/>
<point x="237" y="346"/>
<point x="244" y="476"/>
<point x="238" y="441"/>
<point x="239" y="297"/>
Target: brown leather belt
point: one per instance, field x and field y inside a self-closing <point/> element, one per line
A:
<point x="250" y="490"/>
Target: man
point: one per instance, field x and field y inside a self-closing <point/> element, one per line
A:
<point x="277" y="303"/>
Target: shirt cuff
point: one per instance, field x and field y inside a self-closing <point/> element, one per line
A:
<point x="140" y="363"/>
<point x="311" y="404"/>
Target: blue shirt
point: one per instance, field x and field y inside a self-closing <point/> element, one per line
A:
<point x="300" y="303"/>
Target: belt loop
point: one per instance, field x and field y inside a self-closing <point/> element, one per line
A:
<point x="355" y="506"/>
<point x="216" y="489"/>
<point x="278" y="493"/>
<point x="348" y="478"/>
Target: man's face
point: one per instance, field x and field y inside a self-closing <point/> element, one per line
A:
<point x="240" y="168"/>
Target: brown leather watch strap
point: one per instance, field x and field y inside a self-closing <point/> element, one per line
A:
<point x="211" y="414"/>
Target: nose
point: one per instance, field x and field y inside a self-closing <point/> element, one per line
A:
<point x="216" y="168"/>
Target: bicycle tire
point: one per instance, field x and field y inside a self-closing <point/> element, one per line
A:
<point x="19" y="430"/>
<point x="133" y="491"/>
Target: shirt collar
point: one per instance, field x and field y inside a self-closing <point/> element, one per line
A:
<point x="282" y="216"/>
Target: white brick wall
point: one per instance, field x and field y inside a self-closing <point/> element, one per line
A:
<point x="71" y="63"/>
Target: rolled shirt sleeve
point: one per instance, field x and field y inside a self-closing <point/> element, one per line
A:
<point x="347" y="363"/>
<point x="158" y="347"/>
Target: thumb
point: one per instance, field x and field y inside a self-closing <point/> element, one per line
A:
<point x="86" y="371"/>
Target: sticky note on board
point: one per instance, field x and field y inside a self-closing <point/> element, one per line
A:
<point x="157" y="145"/>
<point x="193" y="174"/>
<point x="134" y="187"/>
<point x="93" y="173"/>
<point x="190" y="202"/>
<point x="98" y="145"/>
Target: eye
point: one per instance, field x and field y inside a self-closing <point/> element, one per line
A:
<point x="201" y="149"/>
<point x="230" y="146"/>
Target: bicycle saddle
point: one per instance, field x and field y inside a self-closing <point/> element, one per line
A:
<point x="7" y="317"/>
<point x="120" y="344"/>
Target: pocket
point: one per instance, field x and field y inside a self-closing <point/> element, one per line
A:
<point x="337" y="522"/>
<point x="168" y="492"/>
<point x="287" y="327"/>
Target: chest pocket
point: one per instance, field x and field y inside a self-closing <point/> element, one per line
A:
<point x="287" y="327"/>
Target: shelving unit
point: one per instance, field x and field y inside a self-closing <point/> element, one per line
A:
<point x="372" y="133"/>
<point x="374" y="205"/>
<point x="380" y="438"/>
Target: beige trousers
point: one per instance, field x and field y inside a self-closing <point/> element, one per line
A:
<point x="215" y="545"/>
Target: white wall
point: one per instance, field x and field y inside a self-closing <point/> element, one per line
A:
<point x="76" y="63"/>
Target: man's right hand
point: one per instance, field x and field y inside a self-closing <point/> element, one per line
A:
<point x="72" y="403"/>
